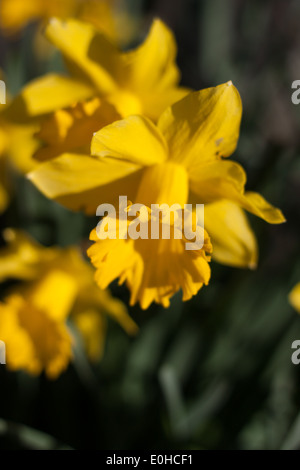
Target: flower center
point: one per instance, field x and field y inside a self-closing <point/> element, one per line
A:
<point x="165" y="183"/>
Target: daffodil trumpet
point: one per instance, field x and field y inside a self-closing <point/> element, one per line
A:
<point x="160" y="221"/>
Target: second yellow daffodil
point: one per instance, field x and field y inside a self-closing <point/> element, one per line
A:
<point x="104" y="85"/>
<point x="15" y="15"/>
<point x="57" y="285"/>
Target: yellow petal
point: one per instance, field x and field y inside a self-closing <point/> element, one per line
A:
<point x="55" y="293"/>
<point x="47" y="94"/>
<point x="101" y="15"/>
<point x="294" y="297"/>
<point x="156" y="102"/>
<point x="34" y="341"/>
<point x="220" y="179"/>
<point x="89" y="200"/>
<point x="92" y="327"/>
<point x="118" y="255"/>
<point x="84" y="182"/>
<point x="232" y="238"/>
<point x="21" y="156"/>
<point x="203" y="125"/>
<point x="19" y="347"/>
<point x="91" y="298"/>
<point x="15" y="14"/>
<point x="226" y="180"/>
<point x="87" y="50"/>
<point x="90" y="318"/>
<point x="152" y="65"/>
<point x="74" y="173"/>
<point x="22" y="258"/>
<point x="114" y="308"/>
<point x="255" y="203"/>
<point x="63" y="9"/>
<point x="134" y="139"/>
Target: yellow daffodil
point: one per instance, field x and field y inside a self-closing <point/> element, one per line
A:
<point x="16" y="14"/>
<point x="55" y="275"/>
<point x="32" y="326"/>
<point x="140" y="81"/>
<point x="233" y="239"/>
<point x="294" y="297"/>
<point x="57" y="114"/>
<point x="182" y="155"/>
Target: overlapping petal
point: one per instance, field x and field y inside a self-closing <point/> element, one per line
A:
<point x="87" y="52"/>
<point x="233" y="240"/>
<point x="203" y="126"/>
<point x="101" y="180"/>
<point x="47" y="94"/>
<point x="135" y="139"/>
<point x="218" y="180"/>
<point x="22" y="257"/>
<point x="151" y="66"/>
<point x="226" y="180"/>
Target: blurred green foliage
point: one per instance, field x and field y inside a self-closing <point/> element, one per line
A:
<point x="216" y="372"/>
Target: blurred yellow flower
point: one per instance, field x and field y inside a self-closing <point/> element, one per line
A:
<point x="294" y="297"/>
<point x="19" y="156"/>
<point x="182" y="154"/>
<point x="32" y="325"/>
<point x="141" y="81"/>
<point x="55" y="275"/>
<point x="57" y="114"/>
<point x="12" y="154"/>
<point x="16" y="14"/>
<point x="103" y="14"/>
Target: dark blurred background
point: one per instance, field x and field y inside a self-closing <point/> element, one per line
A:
<point x="215" y="372"/>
